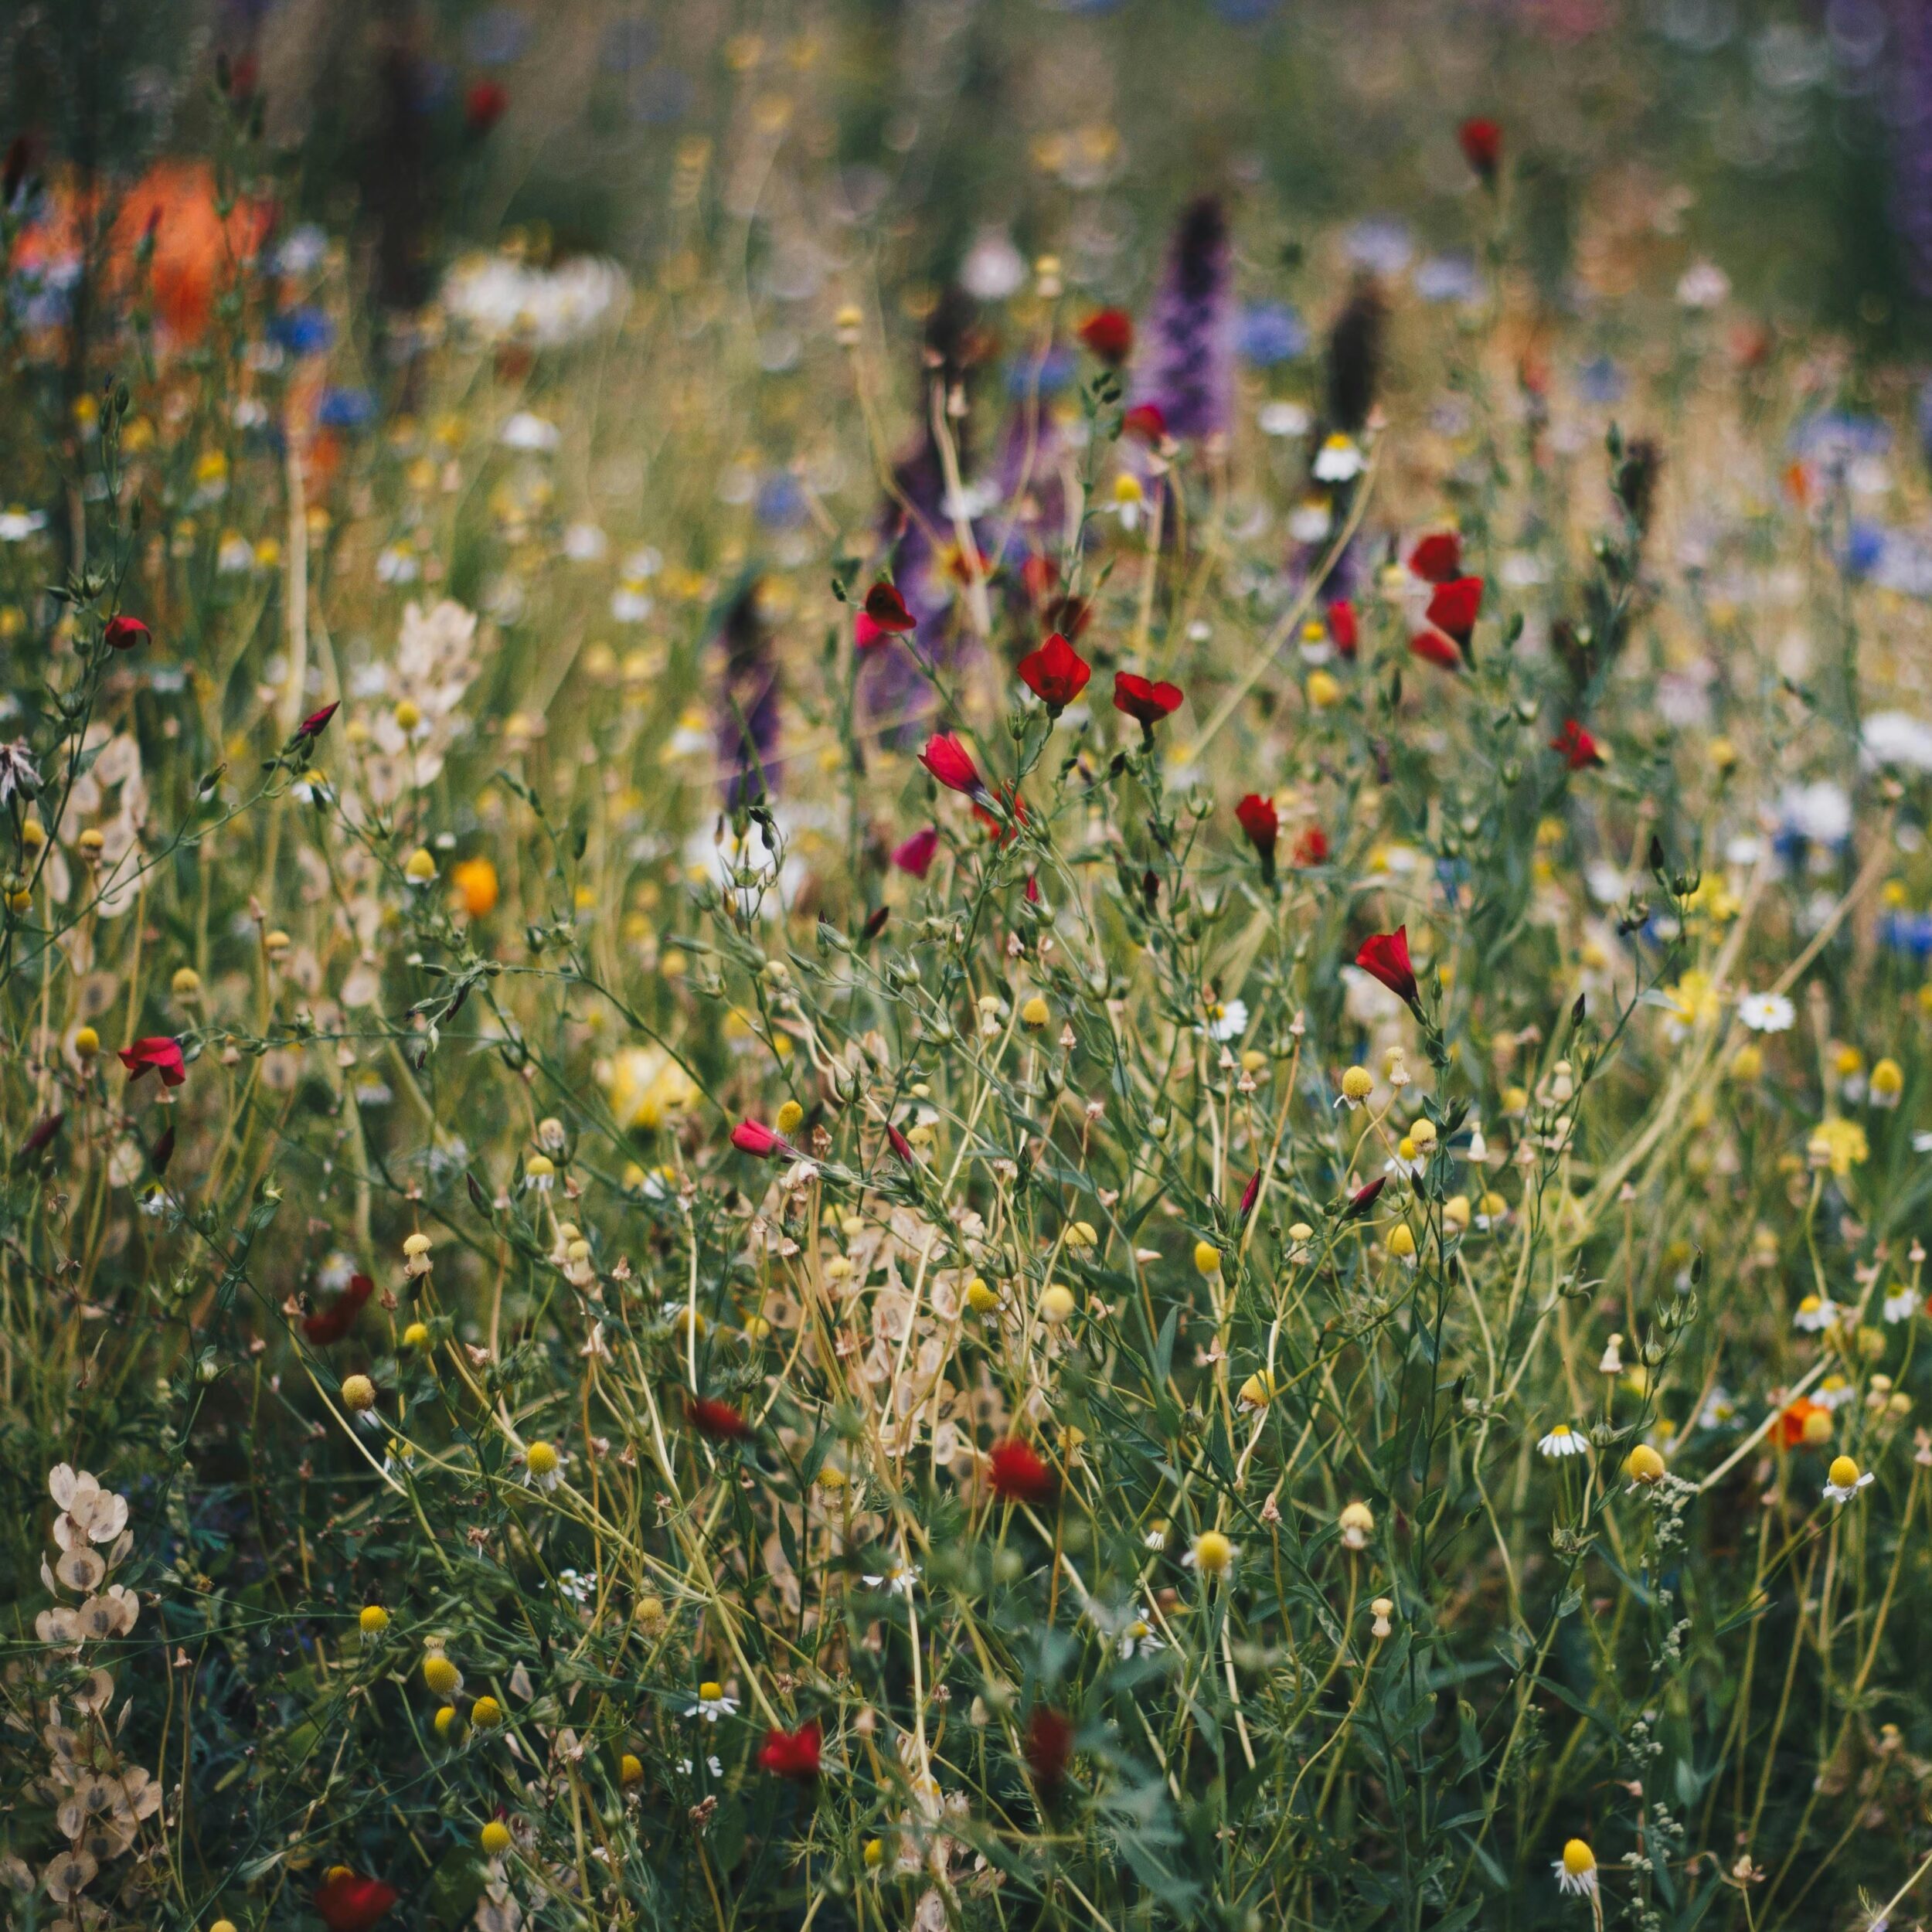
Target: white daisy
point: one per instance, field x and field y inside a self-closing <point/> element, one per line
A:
<point x="1227" y="1019"/>
<point x="1576" y="1869"/>
<point x="713" y="1704"/>
<point x="1766" y="1012"/>
<point x="1338" y="460"/>
<point x="897" y="1579"/>
<point x="1846" y="1480"/>
<point x="1900" y="1305"/>
<point x="1563" y="1440"/>
<point x="1138" y="1637"/>
<point x="1815" y="1313"/>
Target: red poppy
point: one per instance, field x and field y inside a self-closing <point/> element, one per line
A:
<point x="484" y="105"/>
<point x="886" y="608"/>
<point x="951" y="763"/>
<point x="1580" y="750"/>
<point x="1049" y="1746"/>
<point x="1145" y="420"/>
<point x="317" y="722"/>
<point x="1364" y="1198"/>
<point x="1260" y="821"/>
<point x="760" y="1141"/>
<point x="793" y="1754"/>
<point x="1454" y="607"/>
<point x="1311" y="848"/>
<point x="123" y="633"/>
<point x="1144" y="701"/>
<point x="1109" y="333"/>
<point x="1016" y="1472"/>
<point x="1437" y="558"/>
<point x="1343" y="627"/>
<point x="1432" y="648"/>
<point x="916" y="855"/>
<point x="1480" y="141"/>
<point x="1056" y="674"/>
<point x="162" y="1054"/>
<point x="712" y="1416"/>
<point x="335" y="1321"/>
<point x="1385" y="956"/>
<point x="345" y="1902"/>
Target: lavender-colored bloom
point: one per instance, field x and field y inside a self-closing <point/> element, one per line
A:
<point x="1186" y="366"/>
<point x="1911" y="137"/>
<point x="747" y="712"/>
<point x="1448" y="278"/>
<point x="1269" y="333"/>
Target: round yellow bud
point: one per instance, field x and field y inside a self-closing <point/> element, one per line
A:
<point x="359" y="1394"/>
<point x="374" y="1619"/>
<point x="33" y="835"/>
<point x="1888" y="1079"/>
<point x="1817" y="1427"/>
<point x="408" y="716"/>
<point x="1258" y="1391"/>
<point x="1323" y="690"/>
<point x="650" y="1612"/>
<point x="1035" y="1012"/>
<point x="446" y="1720"/>
<point x="495" y="1838"/>
<point x="417" y="1335"/>
<point x="1644" y="1465"/>
<point x="222" y="1925"/>
<point x="629" y="1770"/>
<point x="1722" y="753"/>
<point x="979" y="1298"/>
<point x="1843" y="1472"/>
<point x="1455" y="1212"/>
<point x="1402" y="1243"/>
<point x="874" y="1853"/>
<point x="185" y="984"/>
<point x="486" y="1712"/>
<point x="1301" y="1231"/>
<point x="789" y="1117"/>
<point x="1357" y="1084"/>
<point x="1579" y="1859"/>
<point x="441" y="1676"/>
<point x="1213" y="1553"/>
<point x="87" y="1043"/>
<point x="91" y="841"/>
<point x="541" y="1459"/>
<point x="416" y="1244"/>
<point x="418" y="868"/>
<point x="1207" y="1257"/>
<point x="1056" y="1304"/>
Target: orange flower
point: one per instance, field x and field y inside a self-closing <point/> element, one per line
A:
<point x="1791" y="1423"/>
<point x="475" y="882"/>
<point x="196" y="253"/>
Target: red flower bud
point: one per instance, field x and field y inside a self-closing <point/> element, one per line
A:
<point x="793" y="1754"/>
<point x="1343" y="627"/>
<point x="484" y="105"/>
<point x="334" y="1321"/>
<point x="951" y="763"/>
<point x="755" y="1138"/>
<point x="1260" y="821"/>
<point x="345" y="1902"/>
<point x="1432" y="648"/>
<point x="1480" y="141"/>
<point x="1311" y="848"/>
<point x="1454" y="607"/>
<point x="1385" y="956"/>
<point x="886" y="608"/>
<point x="1580" y="750"/>
<point x="712" y="1416"/>
<point x="317" y="722"/>
<point x="1145" y="420"/>
<point x="1049" y="1747"/>
<point x="1360" y="1202"/>
<point x="916" y="855"/>
<point x="1109" y="333"/>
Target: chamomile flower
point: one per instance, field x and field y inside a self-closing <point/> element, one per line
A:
<point x="1357" y="1084"/>
<point x="1815" y="1314"/>
<point x="712" y="1703"/>
<point x="896" y="1579"/>
<point x="1562" y="1440"/>
<point x="1213" y="1554"/>
<point x="1576" y="1869"/>
<point x="1227" y="1019"/>
<point x="1833" y="1392"/>
<point x="1766" y="1012"/>
<point x="1137" y="1636"/>
<point x="543" y="1465"/>
<point x="1900" y="1305"/>
<point x="1339" y="461"/>
<point x="1844" y="1480"/>
<point x="688" y="1766"/>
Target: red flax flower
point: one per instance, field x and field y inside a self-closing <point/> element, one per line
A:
<point x="886" y="608"/>
<point x="1580" y="750"/>
<point x="345" y="1902"/>
<point x="1453" y="608"/>
<point x="1144" y="701"/>
<point x="158" y="1052"/>
<point x="1048" y="1746"/>
<point x="1311" y="848"/>
<point x="1480" y="141"/>
<point x="1056" y="674"/>
<point x="793" y="1754"/>
<point x="916" y="855"/>
<point x="123" y="633"/>
<point x="1145" y="420"/>
<point x="712" y="1416"/>
<point x="761" y="1142"/>
<point x="1364" y="1198"/>
<point x="1385" y="956"/>
<point x="1016" y="1472"/>
<point x="335" y="1321"/>
<point x="1261" y="822"/>
<point x="317" y="722"/>
<point x="484" y="105"/>
<point x="1343" y="627"/>
<point x="1250" y="1193"/>
<point x="1432" y="648"/>
<point x="1109" y="333"/>
<point x="1437" y="558"/>
<point x="951" y="763"/>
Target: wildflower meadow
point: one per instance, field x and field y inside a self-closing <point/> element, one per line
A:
<point x="966" y="964"/>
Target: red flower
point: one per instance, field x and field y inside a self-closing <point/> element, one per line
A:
<point x="1437" y="558"/>
<point x="1145" y="420"/>
<point x="1260" y="821"/>
<point x="755" y="1138"/>
<point x="317" y="722"/>
<point x="1364" y="1198"/>
<point x="901" y="1146"/>
<point x="1016" y="1472"/>
<point x="1432" y="648"/>
<point x="161" y="1053"/>
<point x="886" y="608"/>
<point x="1454" y="607"/>
<point x="123" y="633"/>
<point x="951" y="763"/>
<point x="1481" y="143"/>
<point x="792" y="1754"/>
<point x="1049" y="1746"/>
<point x="1056" y="674"/>
<point x="1250" y="1193"/>
<point x="1791" y="1424"/>
<point x="1311" y="848"/>
<point x="916" y="855"/>
<point x="1343" y="627"/>
<point x="345" y="1902"/>
<point x="712" y="1416"/>
<point x="1146" y="703"/>
<point x="1109" y="333"/>
<point x="334" y="1321"/>
<point x="1580" y="750"/>
<point x="484" y="105"/>
<point x="1385" y="956"/>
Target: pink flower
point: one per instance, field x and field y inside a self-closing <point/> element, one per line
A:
<point x="158" y="1052"/>
<point x="916" y="855"/>
<point x="951" y="763"/>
